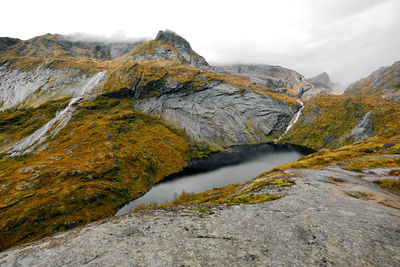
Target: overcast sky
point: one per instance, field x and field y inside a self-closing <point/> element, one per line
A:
<point x="347" y="38"/>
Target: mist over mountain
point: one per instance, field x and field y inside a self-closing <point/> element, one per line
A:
<point x="118" y="37"/>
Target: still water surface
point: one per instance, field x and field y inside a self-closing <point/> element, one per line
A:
<point x="220" y="169"/>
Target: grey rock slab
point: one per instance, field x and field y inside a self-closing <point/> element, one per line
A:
<point x="37" y="86"/>
<point x="220" y="115"/>
<point x="315" y="224"/>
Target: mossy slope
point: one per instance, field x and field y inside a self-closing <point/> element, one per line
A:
<point x="327" y="120"/>
<point x="107" y="155"/>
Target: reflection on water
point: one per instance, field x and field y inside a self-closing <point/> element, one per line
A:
<point x="220" y="169"/>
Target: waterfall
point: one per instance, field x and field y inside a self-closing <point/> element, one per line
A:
<point x="52" y="127"/>
<point x="292" y="121"/>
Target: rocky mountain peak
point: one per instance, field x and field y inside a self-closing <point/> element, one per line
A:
<point x="183" y="47"/>
<point x="169" y="46"/>
<point x="173" y="39"/>
<point x="321" y="78"/>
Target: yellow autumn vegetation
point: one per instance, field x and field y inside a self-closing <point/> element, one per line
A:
<point x="326" y="118"/>
<point x="107" y="155"/>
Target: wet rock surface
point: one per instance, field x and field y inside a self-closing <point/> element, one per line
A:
<point x="316" y="223"/>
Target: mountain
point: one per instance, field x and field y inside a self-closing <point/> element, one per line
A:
<point x="87" y="126"/>
<point x="171" y="47"/>
<point x="276" y="78"/>
<point x="88" y="133"/>
<point x="384" y="82"/>
<point x="367" y="108"/>
<point x="323" y="81"/>
<point x="56" y="45"/>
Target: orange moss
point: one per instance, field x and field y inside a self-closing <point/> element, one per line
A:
<point x="107" y="155"/>
<point x="326" y="118"/>
<point x="359" y="155"/>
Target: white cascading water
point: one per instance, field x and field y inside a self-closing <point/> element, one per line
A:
<point x="292" y="121"/>
<point x="51" y="128"/>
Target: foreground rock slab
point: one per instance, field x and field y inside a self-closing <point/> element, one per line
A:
<point x="317" y="223"/>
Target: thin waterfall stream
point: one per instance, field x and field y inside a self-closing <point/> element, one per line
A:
<point x="52" y="127"/>
<point x="292" y="121"/>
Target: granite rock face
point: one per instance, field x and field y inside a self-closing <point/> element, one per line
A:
<point x="35" y="87"/>
<point x="319" y="222"/>
<point x="219" y="114"/>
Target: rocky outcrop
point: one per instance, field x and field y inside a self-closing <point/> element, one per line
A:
<point x="362" y="130"/>
<point x="320" y="78"/>
<point x="7" y="42"/>
<point x="276" y="78"/>
<point x="219" y="114"/>
<point x="323" y="83"/>
<point x="183" y="47"/>
<point x="329" y="218"/>
<point x="168" y="46"/>
<point x="385" y="82"/>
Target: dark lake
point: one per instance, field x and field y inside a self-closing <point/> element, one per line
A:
<point x="220" y="169"/>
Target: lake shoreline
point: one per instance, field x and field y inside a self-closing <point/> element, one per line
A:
<point x="221" y="168"/>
